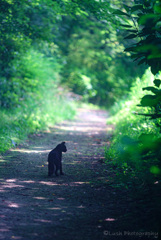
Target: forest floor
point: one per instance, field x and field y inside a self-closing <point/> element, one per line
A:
<point x="81" y="205"/>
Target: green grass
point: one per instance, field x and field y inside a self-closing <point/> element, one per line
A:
<point x="18" y="123"/>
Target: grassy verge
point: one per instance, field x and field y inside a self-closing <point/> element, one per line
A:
<point x="32" y="117"/>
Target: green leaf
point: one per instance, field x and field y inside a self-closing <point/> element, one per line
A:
<point x="148" y="101"/>
<point x="137" y="7"/>
<point x="146" y="138"/>
<point x="152" y="89"/>
<point x="137" y="56"/>
<point x="144" y="60"/>
<point x="127" y="8"/>
<point x="154" y="67"/>
<point x="155" y="170"/>
<point x="157" y="82"/>
<point x="126" y="26"/>
<point x="127" y="140"/>
<point x="146" y="17"/>
<point x="132" y="31"/>
<point x="119" y="12"/>
<point x="130" y="49"/>
<point x="157" y="8"/>
<point x="151" y="115"/>
<point x="131" y="36"/>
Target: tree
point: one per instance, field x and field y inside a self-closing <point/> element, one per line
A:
<point x="94" y="64"/>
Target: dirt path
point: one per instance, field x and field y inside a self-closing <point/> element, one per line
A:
<point x="81" y="205"/>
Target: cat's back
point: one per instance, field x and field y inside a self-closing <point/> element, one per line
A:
<point x="52" y="154"/>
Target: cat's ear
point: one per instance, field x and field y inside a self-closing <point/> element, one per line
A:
<point x="63" y="143"/>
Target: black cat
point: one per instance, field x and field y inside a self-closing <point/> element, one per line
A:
<point x="55" y="159"/>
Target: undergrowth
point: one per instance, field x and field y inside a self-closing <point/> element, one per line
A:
<point x="30" y="118"/>
<point x="34" y="100"/>
<point x="132" y="153"/>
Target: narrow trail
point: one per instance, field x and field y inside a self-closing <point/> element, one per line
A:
<point x="81" y="205"/>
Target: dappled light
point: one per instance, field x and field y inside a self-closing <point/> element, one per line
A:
<point x="23" y="150"/>
<point x="42" y="220"/>
<point x="48" y="183"/>
<point x="92" y="125"/>
<point x="39" y="198"/>
<point x="47" y="200"/>
<point x="78" y="183"/>
<point x="11" y="184"/>
<point x="80" y="119"/>
<point x="110" y="219"/>
<point x="55" y="208"/>
<point x="85" y="193"/>
<point x="11" y="180"/>
<point x="82" y="128"/>
<point x="12" y="205"/>
<point x="28" y="181"/>
<point x="81" y="206"/>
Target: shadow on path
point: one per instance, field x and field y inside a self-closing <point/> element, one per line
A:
<point x="80" y="205"/>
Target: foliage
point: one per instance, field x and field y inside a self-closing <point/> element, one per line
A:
<point x="18" y="123"/>
<point x="134" y="151"/>
<point x="137" y="149"/>
<point x="21" y="24"/>
<point x="45" y="44"/>
<point x="146" y="18"/>
<point x="34" y="99"/>
<point x="145" y="28"/>
<point x="30" y="96"/>
<point x="95" y="65"/>
<point x="88" y="46"/>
